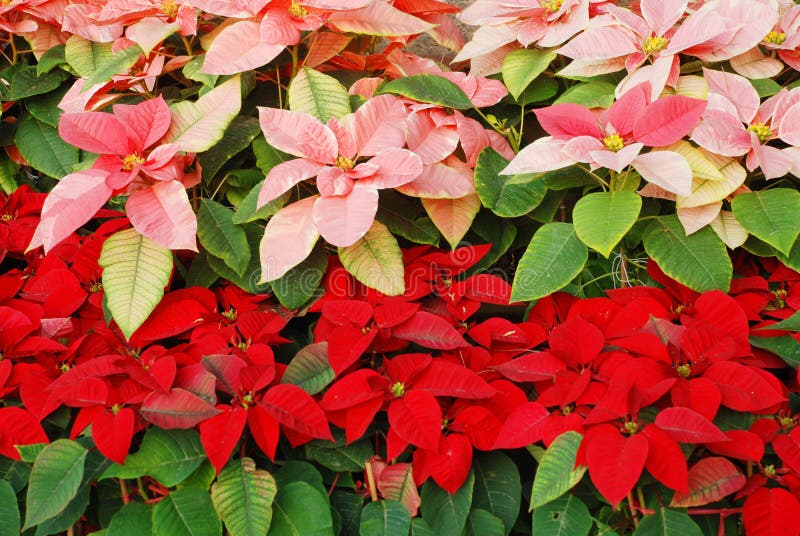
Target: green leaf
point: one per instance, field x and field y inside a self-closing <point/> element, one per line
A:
<point x="668" y="522"/>
<point x="785" y="347"/>
<point x="135" y="272"/>
<point x="236" y="139"/>
<point x="133" y="519"/>
<point x="567" y="516"/>
<point x="200" y="274"/>
<point x="507" y="196"/>
<point x="339" y="456"/>
<point x="430" y="88"/>
<point x="385" y="518"/>
<point x="186" y="511"/>
<point x="169" y="456"/>
<point x="420" y="527"/>
<point x="84" y="56"/>
<point x="319" y="95"/>
<point x="45" y="107"/>
<point x="557" y="473"/>
<point x="589" y="94"/>
<point x="499" y="232"/>
<point x="52" y="58"/>
<point x="770" y="215"/>
<point x="192" y="71"/>
<point x="447" y="514"/>
<point x="267" y="156"/>
<point x="521" y="67"/>
<point x="8" y="174"/>
<point x="789" y="324"/>
<point x="554" y="257"/>
<point x="249" y="280"/>
<point x="309" y="368"/>
<point x="376" y="261"/>
<point x="54" y="482"/>
<point x="300" y="284"/>
<point x="15" y="473"/>
<point x="221" y="237"/>
<point x="542" y="89"/>
<point x="117" y="63"/>
<point x="40" y="144"/>
<point x="699" y="261"/>
<point x="25" y="82"/>
<point x="766" y="87"/>
<point x="349" y="507"/>
<point x="399" y="215"/>
<point x="198" y="126"/>
<point x="602" y="219"/>
<point x="483" y="523"/>
<point x="243" y="498"/>
<point x="247" y="211"/>
<point x="9" y="510"/>
<point x="497" y="489"/>
<point x="301" y="509"/>
<point x="28" y="453"/>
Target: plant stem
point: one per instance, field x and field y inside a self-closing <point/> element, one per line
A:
<point x="123" y="489"/>
<point x="632" y="508"/>
<point x="373" y="492"/>
<point x="140" y="487"/>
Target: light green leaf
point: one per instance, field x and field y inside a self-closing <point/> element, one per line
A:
<point x="385" y="518"/>
<point x="319" y="95"/>
<point x="133" y="519"/>
<point x="169" y="456"/>
<point x="40" y="144"/>
<point x="300" y="284"/>
<point x="483" y="523"/>
<point x="553" y="258"/>
<point x="770" y="215"/>
<point x="188" y="512"/>
<point x="589" y="94"/>
<point x="55" y="479"/>
<point x="301" y="509"/>
<point x="28" y="453"/>
<point x="542" y="89"/>
<point x="135" y="272"/>
<point x="237" y="138"/>
<point x="601" y="219"/>
<point x="453" y="217"/>
<point x="52" y="58"/>
<point x="243" y="498"/>
<point x="791" y="323"/>
<point x="567" y="516"/>
<point x="87" y="56"/>
<point x="192" y="71"/>
<point x="507" y="196"/>
<point x="785" y="347"/>
<point x="430" y="88"/>
<point x="221" y="237"/>
<point x="267" y="156"/>
<point x="309" y="368"/>
<point x="117" y="63"/>
<point x="376" y="261"/>
<point x="8" y="174"/>
<point x="667" y="522"/>
<point x="9" y="510"/>
<point x="699" y="261"/>
<point x="557" y="473"/>
<point x="198" y="126"/>
<point x="247" y="211"/>
<point x="521" y="67"/>
<point x="497" y="490"/>
<point x="447" y="514"/>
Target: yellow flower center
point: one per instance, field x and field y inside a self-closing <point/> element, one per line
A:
<point x="684" y="370"/>
<point x="97" y="286"/>
<point x="230" y="314"/>
<point x="398" y="389"/>
<point x="115" y="408"/>
<point x="296" y="10"/>
<point x="786" y="422"/>
<point x="169" y="8"/>
<point x="344" y="163"/>
<point x="551" y="5"/>
<point x="6" y="217"/>
<point x="775" y="38"/>
<point x="613" y="142"/>
<point x="769" y="470"/>
<point x="631" y="427"/>
<point x="653" y="44"/>
<point x="761" y="130"/>
<point x="131" y="161"/>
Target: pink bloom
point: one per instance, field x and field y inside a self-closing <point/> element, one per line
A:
<point x="614" y="138"/>
<point x="785" y="36"/>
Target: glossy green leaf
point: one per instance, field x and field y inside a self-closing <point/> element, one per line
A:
<point x="52" y="58"/>
<point x="133" y="519"/>
<point x="238" y="136"/>
<point x="400" y="216"/>
<point x="169" y="456"/>
<point x="249" y="280"/>
<point x="339" y="456"/>
<point x="267" y="156"/>
<point x="135" y="272"/>
<point x="506" y="195"/>
<point x="15" y="473"/>
<point x="699" y="261"/>
<point x="557" y="473"/>
<point x="45" y="107"/>
<point x="309" y="368"/>
<point x="447" y="514"/>
<point x="247" y="211"/>
<point x="791" y="323"/>
<point x="86" y="57"/>
<point x="349" y="507"/>
<point x="667" y="522"/>
<point x="54" y="482"/>
<point x="497" y="489"/>
<point x="540" y="90"/>
<point x="376" y="261"/>
<point x="318" y="94"/>
<point x="385" y="518"/>
<point x="785" y="347"/>
<point x="25" y="82"/>
<point x="770" y="215"/>
<point x="243" y="498"/>
<point x="428" y="88"/>
<point x="589" y="94"/>
<point x="601" y="219"/>
<point x="300" y="509"/>
<point x="9" y="510"/>
<point x="43" y="149"/>
<point x="521" y="67"/>
<point x="553" y="258"/>
<point x="766" y="87"/>
<point x="567" y="516"/>
<point x="28" y="453"/>
<point x="188" y="512"/>
<point x="301" y="283"/>
<point x="483" y="523"/>
<point x="221" y="237"/>
<point x="119" y="62"/>
<point x="420" y="527"/>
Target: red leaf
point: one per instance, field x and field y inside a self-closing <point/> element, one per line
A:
<point x="89" y="392"/>
<point x="396" y="482"/>
<point x="227" y="369"/>
<point x="687" y="426"/>
<point x="615" y="462"/>
<point x="743" y="445"/>
<point x="699" y="394"/>
<point x="177" y="408"/>
<point x="265" y="430"/>
<point x="359" y="417"/>
<point x="487" y="288"/>
<point x="430" y="331"/>
<point x="742" y="388"/>
<point x="771" y="512"/>
<point x="18" y="427"/>
<point x="112" y="433"/>
<point x="220" y="434"/>
<point x="449" y="466"/>
<point x="353" y="389"/>
<point x="417" y="418"/>
<point x="395" y="312"/>
<point x="532" y="367"/>
<point x="721" y="311"/>
<point x="179" y="311"/>
<point x="479" y="424"/>
<point x="346" y="344"/>
<point x="522" y="427"/>
<point x="294" y="408"/>
<point x="787" y="447"/>
<point x="442" y="378"/>
<point x="576" y="341"/>
<point x="710" y="480"/>
<point x="665" y="459"/>
<point x="347" y="312"/>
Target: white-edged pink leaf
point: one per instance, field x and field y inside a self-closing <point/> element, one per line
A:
<point x="239" y="48"/>
<point x="662" y="14"/>
<point x="240" y="9"/>
<point x="440" y="181"/>
<point x="298" y="133"/>
<point x="378" y="125"/>
<point x="737" y="90"/>
<point x="163" y="214"/>
<point x="343" y="220"/>
<point x="96" y="132"/>
<point x="286" y="175"/>
<point x="544" y="154"/>
<point x="396" y="167"/>
<point x="754" y="64"/>
<point x="145" y="123"/>
<point x="289" y="237"/>
<point x="431" y="142"/>
<point x="667" y="120"/>
<point x="378" y="18"/>
<point x="453" y="217"/>
<point x="149" y="32"/>
<point x="666" y="169"/>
